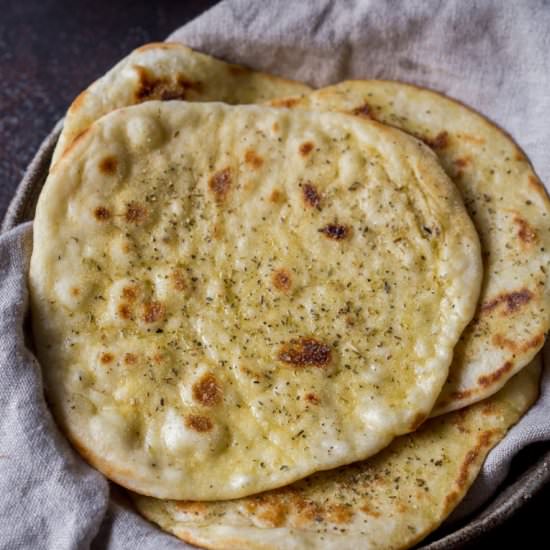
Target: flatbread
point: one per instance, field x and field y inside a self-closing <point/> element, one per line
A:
<point x="167" y="71"/>
<point x="227" y="299"/>
<point x="390" y="501"/>
<point x="510" y="208"/>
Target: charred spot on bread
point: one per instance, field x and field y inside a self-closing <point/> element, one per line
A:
<point x="220" y="184"/>
<point x="335" y="231"/>
<point x="305" y="352"/>
<point x="199" y="423"/>
<point x="207" y="391"/>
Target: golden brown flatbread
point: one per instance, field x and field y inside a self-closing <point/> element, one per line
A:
<point x="227" y="299"/>
<point x="169" y="71"/>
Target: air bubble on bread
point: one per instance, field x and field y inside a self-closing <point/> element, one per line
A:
<point x="144" y="132"/>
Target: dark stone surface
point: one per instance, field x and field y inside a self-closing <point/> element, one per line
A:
<point x="50" y="50"/>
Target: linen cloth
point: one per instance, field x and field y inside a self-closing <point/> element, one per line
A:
<point x="491" y="55"/>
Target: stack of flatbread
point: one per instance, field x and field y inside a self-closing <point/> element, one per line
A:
<point x="283" y="317"/>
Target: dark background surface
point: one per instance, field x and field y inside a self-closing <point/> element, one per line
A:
<point x="51" y="49"/>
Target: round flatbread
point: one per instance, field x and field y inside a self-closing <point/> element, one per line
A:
<point x="227" y="299"/>
<point x="390" y="501"/>
<point x="166" y="71"/>
<point x="510" y="209"/>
